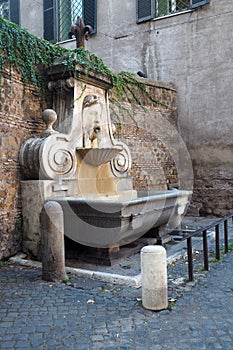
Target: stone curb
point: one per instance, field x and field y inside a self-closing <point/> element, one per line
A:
<point x="131" y="281"/>
<point x="134" y="281"/>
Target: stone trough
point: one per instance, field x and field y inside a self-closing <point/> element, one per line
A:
<point x="108" y="222"/>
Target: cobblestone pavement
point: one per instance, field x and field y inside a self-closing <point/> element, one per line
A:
<point x="88" y="314"/>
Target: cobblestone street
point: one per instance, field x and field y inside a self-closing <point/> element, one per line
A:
<point x="89" y="314"/>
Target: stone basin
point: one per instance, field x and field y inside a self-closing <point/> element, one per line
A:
<point x="105" y="223"/>
<point x="98" y="156"/>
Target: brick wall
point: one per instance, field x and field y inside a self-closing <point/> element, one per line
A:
<point x="151" y="134"/>
<point x="20" y="116"/>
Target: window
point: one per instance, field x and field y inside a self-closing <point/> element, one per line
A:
<point x="148" y="9"/>
<point x="67" y="14"/>
<point x="9" y="9"/>
<point x="60" y="14"/>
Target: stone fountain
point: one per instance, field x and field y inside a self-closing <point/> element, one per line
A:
<point x="78" y="163"/>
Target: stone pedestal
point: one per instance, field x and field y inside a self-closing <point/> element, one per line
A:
<point x="154" y="278"/>
<point x="34" y="194"/>
<point x="52" y="242"/>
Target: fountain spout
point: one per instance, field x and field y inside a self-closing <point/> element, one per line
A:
<point x="95" y="135"/>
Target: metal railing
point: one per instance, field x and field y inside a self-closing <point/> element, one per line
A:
<point x="203" y="232"/>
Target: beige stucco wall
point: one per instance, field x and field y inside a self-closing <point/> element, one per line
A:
<point x="31" y="16"/>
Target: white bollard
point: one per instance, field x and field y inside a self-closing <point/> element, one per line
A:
<point x="154" y="277"/>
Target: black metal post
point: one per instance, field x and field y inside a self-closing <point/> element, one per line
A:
<point x="190" y="258"/>
<point x="217" y="242"/>
<point x="226" y="236"/>
<point x="205" y="250"/>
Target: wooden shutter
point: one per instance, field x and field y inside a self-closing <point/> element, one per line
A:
<point x="50" y="21"/>
<point x="198" y="3"/>
<point x="145" y="10"/>
<point x="14" y="11"/>
<point x="90" y="13"/>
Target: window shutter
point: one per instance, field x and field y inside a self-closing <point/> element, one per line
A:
<point x="198" y="3"/>
<point x="50" y="22"/>
<point x="14" y="11"/>
<point x="89" y="13"/>
<point x="145" y="10"/>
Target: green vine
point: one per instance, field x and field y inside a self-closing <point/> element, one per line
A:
<point x="25" y="53"/>
<point x="31" y="55"/>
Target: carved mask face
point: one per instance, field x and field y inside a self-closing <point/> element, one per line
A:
<point x="91" y="116"/>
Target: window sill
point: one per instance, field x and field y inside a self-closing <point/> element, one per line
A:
<point x="65" y="41"/>
<point x="172" y="15"/>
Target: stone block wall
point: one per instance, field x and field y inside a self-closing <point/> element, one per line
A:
<point x="20" y="117"/>
<point x="213" y="190"/>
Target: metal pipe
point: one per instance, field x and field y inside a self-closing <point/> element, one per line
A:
<point x="226" y="236"/>
<point x="190" y="258"/>
<point x="205" y="251"/>
<point x="217" y="242"/>
<point x="205" y="243"/>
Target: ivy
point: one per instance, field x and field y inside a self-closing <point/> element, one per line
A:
<point x="25" y="52"/>
<point x="28" y="54"/>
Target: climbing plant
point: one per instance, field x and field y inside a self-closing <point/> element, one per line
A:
<point x="27" y="53"/>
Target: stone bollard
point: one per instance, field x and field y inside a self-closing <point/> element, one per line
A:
<point x="52" y="242"/>
<point x="154" y="277"/>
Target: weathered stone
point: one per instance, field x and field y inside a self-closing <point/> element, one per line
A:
<point x="53" y="251"/>
<point x="154" y="277"/>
